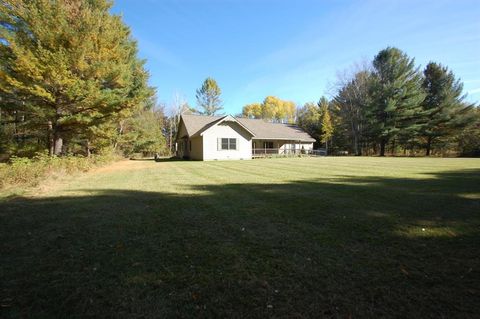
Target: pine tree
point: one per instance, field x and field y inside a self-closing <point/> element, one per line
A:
<point x="444" y="104"/>
<point x="397" y="96"/>
<point x="208" y="97"/>
<point x="468" y="138"/>
<point x="69" y="65"/>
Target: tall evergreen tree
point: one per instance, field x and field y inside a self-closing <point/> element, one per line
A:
<point x="397" y="96"/>
<point x="468" y="138"/>
<point x="444" y="104"/>
<point x="208" y="97"/>
<point x="68" y="65"/>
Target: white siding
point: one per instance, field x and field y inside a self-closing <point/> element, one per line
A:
<point x="227" y="129"/>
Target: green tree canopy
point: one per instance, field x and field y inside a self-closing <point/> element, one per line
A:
<point x="444" y="104"/>
<point x="397" y="96"/>
<point x="208" y="97"/>
<point x="68" y="65"/>
<point x="143" y="133"/>
<point x="309" y="118"/>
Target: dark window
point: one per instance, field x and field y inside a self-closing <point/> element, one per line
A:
<point x="228" y="143"/>
<point x="190" y="142"/>
<point x="233" y="143"/>
<point x="268" y="145"/>
<point x="224" y="143"/>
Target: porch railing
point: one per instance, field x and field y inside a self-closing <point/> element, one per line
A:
<point x="269" y="152"/>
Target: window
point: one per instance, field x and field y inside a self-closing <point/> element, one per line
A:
<point x="190" y="144"/>
<point x="224" y="143"/>
<point x="227" y="144"/>
<point x="233" y="143"/>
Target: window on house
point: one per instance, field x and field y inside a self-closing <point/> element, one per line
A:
<point x="233" y="143"/>
<point x="227" y="144"/>
<point x="267" y="144"/>
<point x="190" y="145"/>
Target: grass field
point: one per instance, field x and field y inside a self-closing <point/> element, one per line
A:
<point x="288" y="238"/>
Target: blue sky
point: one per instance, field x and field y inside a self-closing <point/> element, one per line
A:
<point x="294" y="49"/>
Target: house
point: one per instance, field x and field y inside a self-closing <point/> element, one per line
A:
<point x="229" y="138"/>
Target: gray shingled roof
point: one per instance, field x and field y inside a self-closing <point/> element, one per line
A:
<point x="194" y="123"/>
<point x="261" y="128"/>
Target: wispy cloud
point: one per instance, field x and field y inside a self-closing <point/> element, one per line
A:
<point x="303" y="66"/>
<point x="156" y="53"/>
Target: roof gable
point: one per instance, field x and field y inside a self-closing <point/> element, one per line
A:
<point x="194" y="123"/>
<point x="221" y="120"/>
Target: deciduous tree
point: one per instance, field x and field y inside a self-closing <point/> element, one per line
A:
<point x="352" y="100"/>
<point x="272" y="108"/>
<point x="326" y="122"/>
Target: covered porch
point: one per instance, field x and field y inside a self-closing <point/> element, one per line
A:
<point x="280" y="147"/>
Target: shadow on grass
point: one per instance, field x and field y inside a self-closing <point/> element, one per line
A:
<point x="367" y="247"/>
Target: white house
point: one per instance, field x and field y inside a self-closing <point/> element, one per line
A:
<point x="228" y="138"/>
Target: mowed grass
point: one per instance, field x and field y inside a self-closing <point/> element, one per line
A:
<point x="288" y="238"/>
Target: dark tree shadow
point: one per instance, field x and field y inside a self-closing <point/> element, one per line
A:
<point x="367" y="247"/>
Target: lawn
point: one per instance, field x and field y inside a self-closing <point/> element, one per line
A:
<point x="288" y="238"/>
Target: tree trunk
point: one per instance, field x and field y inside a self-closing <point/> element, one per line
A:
<point x="50" y="138"/>
<point x="170" y="146"/>
<point x="55" y="141"/>
<point x="58" y="144"/>
<point x="383" y="142"/>
<point x="355" y="144"/>
<point x="87" y="148"/>
<point x="428" y="147"/>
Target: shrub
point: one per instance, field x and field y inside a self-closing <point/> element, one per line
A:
<point x="22" y="171"/>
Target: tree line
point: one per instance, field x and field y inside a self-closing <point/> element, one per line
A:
<point x="388" y="105"/>
<point x="71" y="82"/>
<point x="391" y="105"/>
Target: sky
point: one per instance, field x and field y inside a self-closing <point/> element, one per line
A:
<point x="295" y="49"/>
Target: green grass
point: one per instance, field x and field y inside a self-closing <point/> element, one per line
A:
<point x="288" y="238"/>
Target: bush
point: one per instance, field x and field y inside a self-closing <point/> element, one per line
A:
<point x="22" y="171"/>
